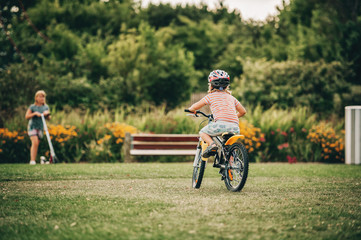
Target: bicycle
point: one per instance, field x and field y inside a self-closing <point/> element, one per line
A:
<point x="231" y="158"/>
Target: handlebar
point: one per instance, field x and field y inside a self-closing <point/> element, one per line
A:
<point x="199" y="112"/>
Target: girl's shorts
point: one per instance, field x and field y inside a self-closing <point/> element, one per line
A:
<point x="219" y="127"/>
<point x="36" y="132"/>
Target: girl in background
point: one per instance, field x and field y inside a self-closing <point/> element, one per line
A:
<point x="35" y="126"/>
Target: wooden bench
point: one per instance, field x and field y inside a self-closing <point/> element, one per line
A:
<point x="159" y="145"/>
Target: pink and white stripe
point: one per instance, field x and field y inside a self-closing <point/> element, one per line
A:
<point x="223" y="106"/>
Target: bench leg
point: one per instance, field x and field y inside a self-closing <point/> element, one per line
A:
<point x="126" y="149"/>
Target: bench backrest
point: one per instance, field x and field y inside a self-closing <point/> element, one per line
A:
<point x="160" y="144"/>
<point x="164" y="141"/>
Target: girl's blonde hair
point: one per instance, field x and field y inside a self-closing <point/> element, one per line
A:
<point x="40" y="92"/>
<point x="211" y="89"/>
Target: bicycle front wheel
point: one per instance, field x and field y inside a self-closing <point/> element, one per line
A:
<point x="198" y="169"/>
<point x="236" y="170"/>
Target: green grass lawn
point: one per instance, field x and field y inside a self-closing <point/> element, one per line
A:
<point x="156" y="201"/>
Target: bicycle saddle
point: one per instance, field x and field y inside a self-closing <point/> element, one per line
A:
<point x="227" y="135"/>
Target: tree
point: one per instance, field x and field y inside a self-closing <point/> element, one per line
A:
<point x="150" y="67"/>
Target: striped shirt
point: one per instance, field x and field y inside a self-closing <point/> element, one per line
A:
<point x="223" y="106"/>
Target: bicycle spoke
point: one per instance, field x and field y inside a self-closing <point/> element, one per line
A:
<point x="237" y="167"/>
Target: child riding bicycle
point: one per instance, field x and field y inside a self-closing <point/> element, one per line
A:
<point x="225" y="108"/>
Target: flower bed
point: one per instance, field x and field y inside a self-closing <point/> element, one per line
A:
<point x="273" y="135"/>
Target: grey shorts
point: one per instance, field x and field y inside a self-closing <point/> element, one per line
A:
<point x="219" y="127"/>
<point x="36" y="132"/>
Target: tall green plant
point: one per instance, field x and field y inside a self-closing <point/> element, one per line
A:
<point x="285" y="132"/>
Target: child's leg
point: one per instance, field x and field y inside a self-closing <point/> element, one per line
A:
<point x="212" y="148"/>
<point x="205" y="133"/>
<point x="205" y="137"/>
<point x="34" y="147"/>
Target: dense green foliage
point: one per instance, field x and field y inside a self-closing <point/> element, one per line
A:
<point x="103" y="54"/>
<point x="318" y="84"/>
<point x="94" y="56"/>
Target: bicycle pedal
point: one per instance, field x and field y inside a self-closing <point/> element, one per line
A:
<point x="216" y="165"/>
<point x="209" y="154"/>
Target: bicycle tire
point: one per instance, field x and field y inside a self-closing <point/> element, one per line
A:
<point x="198" y="169"/>
<point x="236" y="170"/>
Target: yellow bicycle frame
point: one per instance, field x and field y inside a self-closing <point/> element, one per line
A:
<point x="230" y="141"/>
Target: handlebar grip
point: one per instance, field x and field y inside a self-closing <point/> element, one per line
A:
<point x="199" y="112"/>
<point x="186" y="110"/>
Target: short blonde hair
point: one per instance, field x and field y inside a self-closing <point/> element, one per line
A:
<point x="40" y="92"/>
<point x="211" y="89"/>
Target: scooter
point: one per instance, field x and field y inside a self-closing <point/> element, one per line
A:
<point x="53" y="158"/>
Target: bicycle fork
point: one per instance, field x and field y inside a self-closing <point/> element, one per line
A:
<point x="202" y="145"/>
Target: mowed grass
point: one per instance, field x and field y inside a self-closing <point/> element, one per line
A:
<point x="156" y="201"/>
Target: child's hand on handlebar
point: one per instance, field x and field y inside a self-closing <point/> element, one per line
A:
<point x="192" y="111"/>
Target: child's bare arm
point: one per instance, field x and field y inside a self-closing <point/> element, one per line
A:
<point x="29" y="114"/>
<point x="197" y="106"/>
<point x="241" y="110"/>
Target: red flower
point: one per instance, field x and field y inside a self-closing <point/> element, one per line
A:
<point x="282" y="146"/>
<point x="292" y="130"/>
<point x="284" y="133"/>
<point x="291" y="159"/>
<point x="272" y="132"/>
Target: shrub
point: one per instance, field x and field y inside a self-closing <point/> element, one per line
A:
<point x="65" y="141"/>
<point x="17" y="87"/>
<point x="293" y="84"/>
<point x="269" y="135"/>
<point x="253" y="139"/>
<point x="328" y="146"/>
<point x="290" y="145"/>
<point x="285" y="132"/>
<point x="14" y="146"/>
<point x="108" y="147"/>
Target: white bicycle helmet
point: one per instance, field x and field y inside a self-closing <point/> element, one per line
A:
<point x="219" y="79"/>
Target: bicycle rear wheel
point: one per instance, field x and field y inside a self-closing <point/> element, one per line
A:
<point x="236" y="170"/>
<point x="198" y="169"/>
